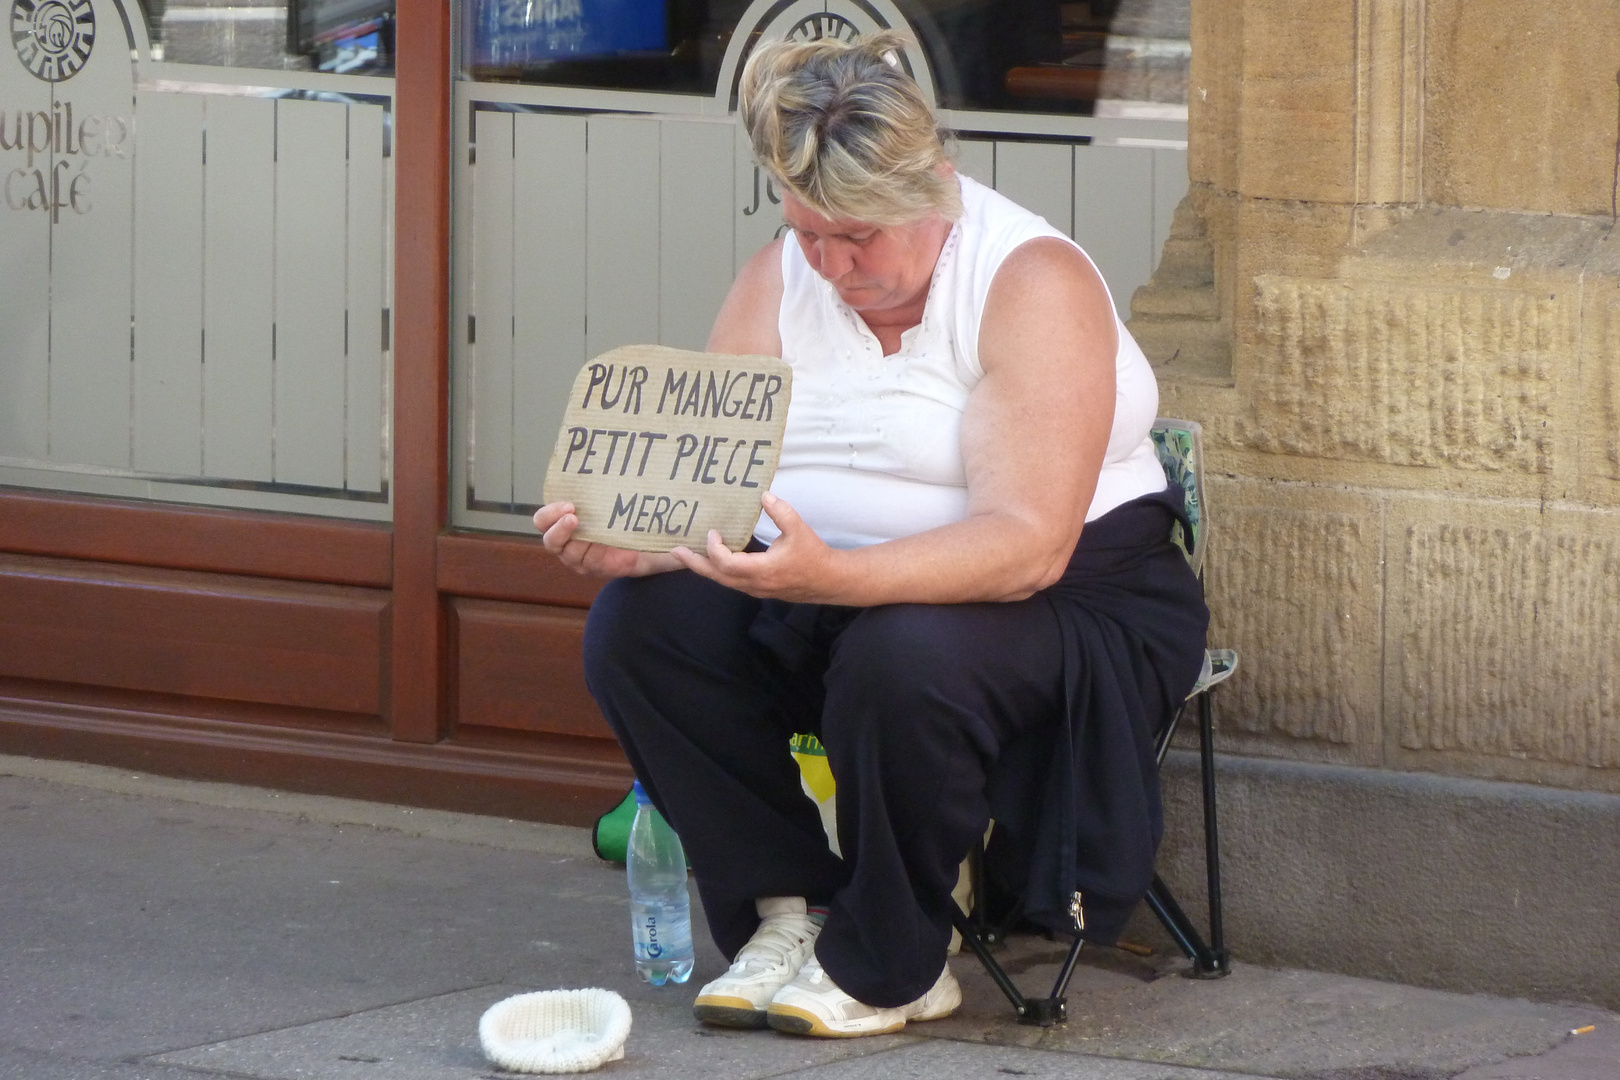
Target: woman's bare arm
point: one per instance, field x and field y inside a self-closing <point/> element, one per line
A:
<point x="1034" y="435"/>
<point x="747" y="324"/>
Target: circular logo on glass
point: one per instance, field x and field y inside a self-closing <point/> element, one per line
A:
<point x="53" y="37"/>
<point x="823" y="24"/>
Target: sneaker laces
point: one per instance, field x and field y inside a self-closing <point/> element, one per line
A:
<point x="775" y="942"/>
<point x="812" y="971"/>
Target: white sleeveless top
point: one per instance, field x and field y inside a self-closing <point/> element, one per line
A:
<point x="872" y="450"/>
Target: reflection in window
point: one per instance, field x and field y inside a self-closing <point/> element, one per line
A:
<point x="670" y="45"/>
<point x="1101" y="57"/>
<point x="339" y="36"/>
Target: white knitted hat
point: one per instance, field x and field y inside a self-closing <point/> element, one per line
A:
<point x="555" y="1031"/>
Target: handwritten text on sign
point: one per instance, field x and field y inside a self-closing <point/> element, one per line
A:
<point x="660" y="445"/>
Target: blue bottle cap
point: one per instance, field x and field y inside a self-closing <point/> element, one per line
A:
<point x="641" y="794"/>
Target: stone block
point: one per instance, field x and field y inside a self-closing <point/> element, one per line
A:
<point x="1398" y="373"/>
<point x="1211" y="402"/>
<point x="1214" y="94"/>
<point x="1218" y="213"/>
<point x="1600" y="375"/>
<point x="1187" y="260"/>
<point x="1436" y="881"/>
<point x="1176" y="302"/>
<point x="1266" y="236"/>
<point x="1390" y="59"/>
<point x="1602" y="363"/>
<point x="1298" y="99"/>
<point x="1503" y="640"/>
<point x="1188" y="350"/>
<point x="1294" y="584"/>
<point x="1520" y="109"/>
<point x="1176" y="316"/>
<point x="1479" y="248"/>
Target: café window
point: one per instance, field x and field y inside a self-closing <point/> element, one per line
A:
<point x="1124" y="58"/>
<point x="201" y="309"/>
<point x="335" y="36"/>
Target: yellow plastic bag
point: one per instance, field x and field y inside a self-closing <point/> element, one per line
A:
<point x="816" y="777"/>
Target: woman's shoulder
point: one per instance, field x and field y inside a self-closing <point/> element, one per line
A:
<point x="1043" y="275"/>
<point x="747" y="323"/>
<point x="764" y="267"/>
<point x="993" y="229"/>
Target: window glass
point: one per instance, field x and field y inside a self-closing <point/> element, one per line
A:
<point x="1091" y="57"/>
<point x="669" y="45"/>
<point x="1094" y="57"/>
<point x="338" y="36"/>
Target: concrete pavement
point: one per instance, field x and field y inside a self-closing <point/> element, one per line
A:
<point x="169" y="930"/>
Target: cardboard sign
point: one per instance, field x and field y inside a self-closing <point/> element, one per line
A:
<point x="660" y="445"/>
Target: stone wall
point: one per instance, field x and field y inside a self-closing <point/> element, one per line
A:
<point x="1392" y="297"/>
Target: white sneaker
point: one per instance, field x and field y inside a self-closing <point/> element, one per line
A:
<point x="812" y="1004"/>
<point x="786" y="938"/>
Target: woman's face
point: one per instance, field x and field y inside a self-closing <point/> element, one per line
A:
<point x="874" y="267"/>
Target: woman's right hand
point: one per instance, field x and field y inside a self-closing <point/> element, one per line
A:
<point x="557" y="522"/>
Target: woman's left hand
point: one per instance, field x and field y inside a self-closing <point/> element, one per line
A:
<point x="799" y="566"/>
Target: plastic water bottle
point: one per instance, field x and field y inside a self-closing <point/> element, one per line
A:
<point x="660" y="911"/>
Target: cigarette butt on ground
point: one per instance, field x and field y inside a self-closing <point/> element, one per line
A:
<point x="1587" y="1030"/>
<point x="1133" y="947"/>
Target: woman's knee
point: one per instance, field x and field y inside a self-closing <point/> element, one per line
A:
<point x="615" y="627"/>
<point x="901" y="650"/>
<point x="642" y="625"/>
<point x="977" y="667"/>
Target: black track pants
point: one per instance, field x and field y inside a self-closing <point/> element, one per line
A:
<point x="913" y="703"/>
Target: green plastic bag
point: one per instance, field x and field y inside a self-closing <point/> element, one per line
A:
<point x="611" y="834"/>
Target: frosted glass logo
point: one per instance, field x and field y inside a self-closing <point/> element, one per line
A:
<point x="823" y="24"/>
<point x="53" y="37"/>
<point x="61" y="181"/>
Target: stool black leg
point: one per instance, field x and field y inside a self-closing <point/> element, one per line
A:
<point x="1212" y="839"/>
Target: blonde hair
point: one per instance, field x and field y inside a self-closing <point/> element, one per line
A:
<point x="842" y="128"/>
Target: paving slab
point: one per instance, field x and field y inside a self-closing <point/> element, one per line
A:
<point x="437" y="1039"/>
<point x="33" y="1065"/>
<point x="159" y="929"/>
<point x="942" y="1059"/>
<point x="139" y="925"/>
<point x="1284" y="1023"/>
<point x="1587" y="1053"/>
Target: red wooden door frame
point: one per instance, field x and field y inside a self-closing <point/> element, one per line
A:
<point x="417" y="675"/>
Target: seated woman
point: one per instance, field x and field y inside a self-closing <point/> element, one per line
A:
<point x="965" y="550"/>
